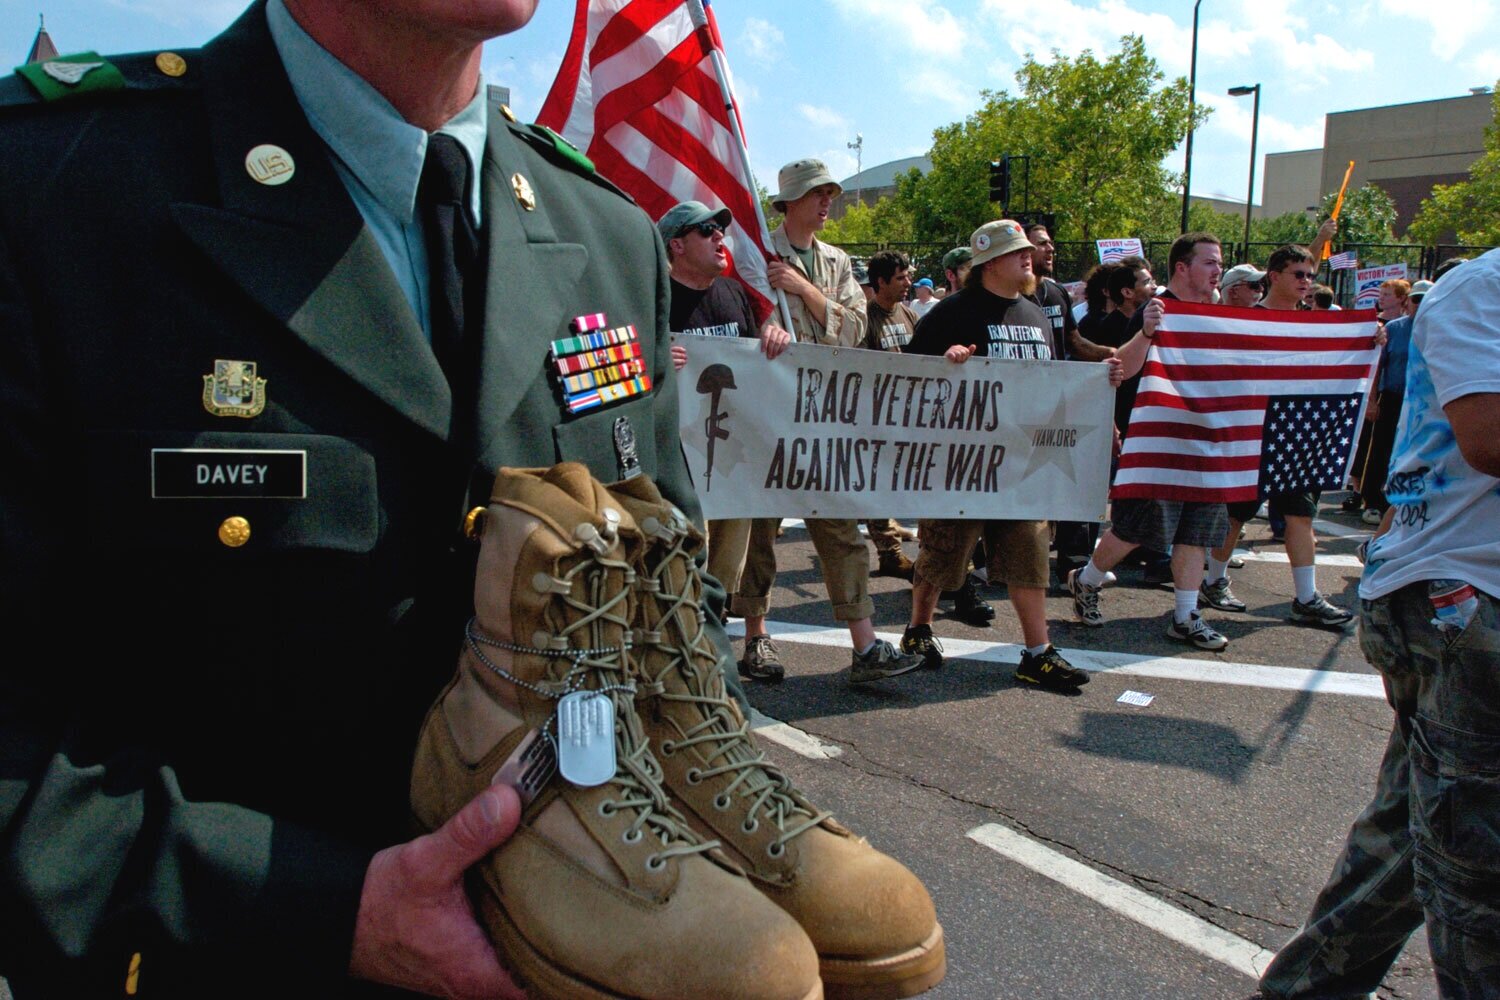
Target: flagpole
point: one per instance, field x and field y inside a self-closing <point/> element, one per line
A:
<point x="700" y="23"/>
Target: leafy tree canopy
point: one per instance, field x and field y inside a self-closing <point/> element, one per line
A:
<point x="1469" y="210"/>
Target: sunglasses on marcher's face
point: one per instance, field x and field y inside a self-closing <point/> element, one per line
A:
<point x="704" y="229"/>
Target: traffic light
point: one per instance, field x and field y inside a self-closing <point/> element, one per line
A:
<point x="1000" y="180"/>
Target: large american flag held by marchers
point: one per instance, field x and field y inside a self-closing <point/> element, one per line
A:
<point x="1238" y="404"/>
<point x="638" y="94"/>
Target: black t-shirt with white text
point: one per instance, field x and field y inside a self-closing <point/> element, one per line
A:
<point x="1058" y="305"/>
<point x="720" y="310"/>
<point x="997" y="327"/>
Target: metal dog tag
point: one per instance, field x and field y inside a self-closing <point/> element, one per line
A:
<point x="586" y="738"/>
<point x="529" y="767"/>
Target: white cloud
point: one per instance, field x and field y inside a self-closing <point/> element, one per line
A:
<point x="1232" y="116"/>
<point x="926" y="29"/>
<point x="1454" y="23"/>
<point x="822" y="117"/>
<point x="1485" y="66"/>
<point x="760" y="41"/>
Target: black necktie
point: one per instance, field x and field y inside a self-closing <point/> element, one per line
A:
<point x="452" y="248"/>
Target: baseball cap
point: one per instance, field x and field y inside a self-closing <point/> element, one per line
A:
<point x="861" y="276"/>
<point x="996" y="239"/>
<point x="689" y="213"/>
<point x="799" y="177"/>
<point x="1240" y="274"/>
<point x="1420" y="288"/>
<point x="922" y="283"/>
<point x="957" y="257"/>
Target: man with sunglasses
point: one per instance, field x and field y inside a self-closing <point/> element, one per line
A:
<point x="1290" y="275"/>
<point x="707" y="303"/>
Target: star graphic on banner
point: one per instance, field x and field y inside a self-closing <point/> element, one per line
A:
<point x="1060" y="458"/>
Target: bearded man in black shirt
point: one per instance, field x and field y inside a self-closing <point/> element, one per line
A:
<point x="993" y="317"/>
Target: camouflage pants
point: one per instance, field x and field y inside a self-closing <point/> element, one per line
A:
<point x="1429" y="843"/>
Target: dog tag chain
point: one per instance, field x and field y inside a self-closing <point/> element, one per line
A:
<point x="586" y="738"/>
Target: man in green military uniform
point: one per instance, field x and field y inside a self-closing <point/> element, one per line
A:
<point x="240" y="424"/>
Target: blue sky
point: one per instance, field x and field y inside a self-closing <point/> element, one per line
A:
<point x="811" y="74"/>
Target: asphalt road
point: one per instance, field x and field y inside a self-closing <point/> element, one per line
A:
<point x="1226" y="798"/>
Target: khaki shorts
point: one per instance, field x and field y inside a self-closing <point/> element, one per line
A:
<point x="1017" y="551"/>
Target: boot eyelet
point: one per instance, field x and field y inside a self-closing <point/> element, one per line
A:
<point x="606" y="808"/>
<point x="655" y="863"/>
<point x="694" y="776"/>
<point x="721" y="802"/>
<point x="631" y="836"/>
<point x="775" y="849"/>
<point x="668" y="748"/>
<point x="750" y="825"/>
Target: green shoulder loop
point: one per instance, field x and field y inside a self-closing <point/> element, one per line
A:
<point x="86" y="75"/>
<point x="563" y="152"/>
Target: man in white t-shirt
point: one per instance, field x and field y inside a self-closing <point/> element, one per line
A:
<point x="923" y="298"/>
<point x="1429" y="843"/>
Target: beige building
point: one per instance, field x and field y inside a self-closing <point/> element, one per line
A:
<point x="1403" y="148"/>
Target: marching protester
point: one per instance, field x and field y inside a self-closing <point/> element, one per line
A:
<point x="1085" y="343"/>
<point x="1428" y="845"/>
<point x="992" y="316"/>
<point x="956" y="267"/>
<point x="707" y="303"/>
<point x="924" y="299"/>
<point x="891" y="325"/>
<point x="1051" y="296"/>
<point x="1241" y="286"/>
<point x="1195" y="263"/>
<point x="827" y="308"/>
<point x="1385" y="409"/>
<point x="1289" y="273"/>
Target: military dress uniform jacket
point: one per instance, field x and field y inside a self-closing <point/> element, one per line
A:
<point x="201" y="741"/>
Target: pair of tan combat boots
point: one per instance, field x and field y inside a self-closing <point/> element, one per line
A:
<point x="677" y="863"/>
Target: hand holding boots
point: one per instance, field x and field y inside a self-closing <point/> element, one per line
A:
<point x="415" y="928"/>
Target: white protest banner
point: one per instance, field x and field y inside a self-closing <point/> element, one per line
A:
<point x="848" y="433"/>
<point x="1367" y="282"/>
<point x="1113" y="250"/>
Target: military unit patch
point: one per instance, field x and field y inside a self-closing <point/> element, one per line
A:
<point x="234" y="390"/>
<point x="597" y="366"/>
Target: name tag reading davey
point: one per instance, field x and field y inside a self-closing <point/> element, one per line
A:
<point x="200" y="473"/>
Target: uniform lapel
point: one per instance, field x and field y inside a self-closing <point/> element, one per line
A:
<point x="300" y="249"/>
<point x="529" y="275"/>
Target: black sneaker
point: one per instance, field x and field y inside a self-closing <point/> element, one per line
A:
<point x="1196" y="632"/>
<point x="1319" y="611"/>
<point x="1085" y="600"/>
<point x="1218" y="596"/>
<point x="1049" y="670"/>
<point x="919" y="639"/>
<point x="761" y="662"/>
<point x="970" y="608"/>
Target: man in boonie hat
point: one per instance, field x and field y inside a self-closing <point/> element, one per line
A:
<point x="827" y="307"/>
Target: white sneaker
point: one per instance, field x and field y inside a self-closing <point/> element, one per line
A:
<point x="1196" y="632"/>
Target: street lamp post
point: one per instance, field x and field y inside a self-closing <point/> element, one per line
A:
<point x="1254" y="129"/>
<point x="858" y="145"/>
<point x="1187" y="166"/>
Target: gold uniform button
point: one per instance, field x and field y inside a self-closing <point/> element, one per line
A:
<point x="171" y="63"/>
<point x="474" y="524"/>
<point x="234" y="532"/>
<point x="507" y="113"/>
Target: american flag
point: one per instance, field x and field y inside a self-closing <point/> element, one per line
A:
<point x="1238" y="404"/>
<point x="1345" y="261"/>
<point x="637" y="92"/>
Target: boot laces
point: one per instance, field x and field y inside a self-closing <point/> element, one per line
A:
<point x="726" y="746"/>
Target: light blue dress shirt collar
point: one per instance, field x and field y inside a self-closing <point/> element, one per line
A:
<point x="363" y="129"/>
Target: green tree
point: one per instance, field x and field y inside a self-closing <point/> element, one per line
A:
<point x="1368" y="217"/>
<point x="1469" y="210"/>
<point x="1096" y="131"/>
<point x="885" y="221"/>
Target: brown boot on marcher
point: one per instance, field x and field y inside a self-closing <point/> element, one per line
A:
<point x="896" y="564"/>
<point x="604" y="891"/>
<point x="870" y="919"/>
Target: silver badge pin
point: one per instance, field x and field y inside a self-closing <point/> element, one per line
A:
<point x="69" y="72"/>
<point x="625" y="448"/>
<point x="586" y="738"/>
